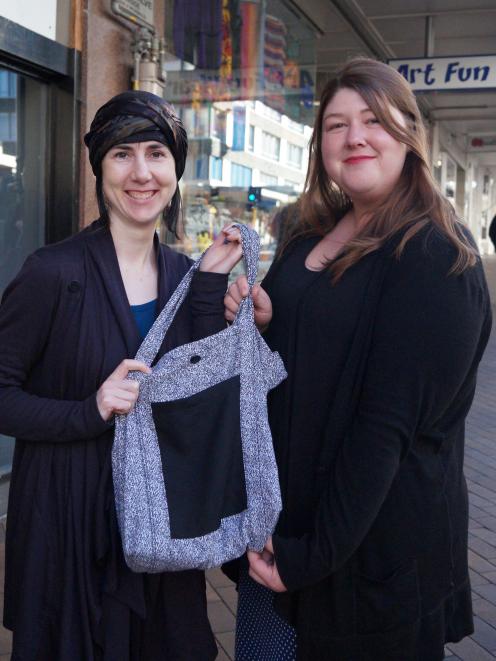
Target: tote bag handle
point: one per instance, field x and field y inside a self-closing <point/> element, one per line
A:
<point x="153" y="341"/>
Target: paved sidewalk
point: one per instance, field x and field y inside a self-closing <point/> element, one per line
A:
<point x="480" y="469"/>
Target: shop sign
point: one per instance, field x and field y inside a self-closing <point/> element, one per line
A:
<point x="448" y="73"/>
<point x="137" y="11"/>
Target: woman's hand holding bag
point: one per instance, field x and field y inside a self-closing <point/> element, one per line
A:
<point x="262" y="305"/>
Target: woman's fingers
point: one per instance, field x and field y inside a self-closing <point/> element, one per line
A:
<point x="129" y="365"/>
<point x="128" y="390"/>
<point x="235" y="294"/>
<point x="242" y="286"/>
<point x="230" y="308"/>
<point x="224" y="253"/>
<point x="118" y="405"/>
<point x="231" y="233"/>
<point x="262" y="307"/>
<point x="126" y="385"/>
<point x="116" y="397"/>
<point x="258" y="569"/>
<point x="117" y="394"/>
<point x="239" y="289"/>
<point x="261" y="301"/>
<point x="263" y="569"/>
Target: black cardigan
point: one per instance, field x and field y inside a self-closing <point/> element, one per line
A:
<point x="375" y="553"/>
<point x="65" y="324"/>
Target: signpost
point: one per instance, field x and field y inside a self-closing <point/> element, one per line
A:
<point x="137" y="11"/>
<point x="448" y="73"/>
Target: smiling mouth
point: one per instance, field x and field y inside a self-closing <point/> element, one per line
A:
<point x="358" y="159"/>
<point x="141" y="195"/>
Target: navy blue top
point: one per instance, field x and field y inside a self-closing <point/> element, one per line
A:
<point x="145" y="314"/>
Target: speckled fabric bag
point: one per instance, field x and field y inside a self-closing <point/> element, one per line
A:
<point x="194" y="471"/>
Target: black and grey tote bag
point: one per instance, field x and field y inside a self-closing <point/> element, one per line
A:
<point x="194" y="472"/>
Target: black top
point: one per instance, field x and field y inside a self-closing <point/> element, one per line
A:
<point x="369" y="435"/>
<point x="312" y="329"/>
<point x="65" y="324"/>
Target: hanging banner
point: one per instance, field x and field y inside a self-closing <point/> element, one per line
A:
<point x="448" y="73"/>
<point x="137" y="11"/>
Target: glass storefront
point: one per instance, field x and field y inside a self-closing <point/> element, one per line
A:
<point x="242" y="76"/>
<point x="23" y="117"/>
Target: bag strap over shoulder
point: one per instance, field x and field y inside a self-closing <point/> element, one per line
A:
<point x="153" y="341"/>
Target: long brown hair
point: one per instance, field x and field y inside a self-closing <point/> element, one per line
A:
<point x="416" y="200"/>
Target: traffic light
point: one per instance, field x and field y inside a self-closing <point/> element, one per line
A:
<point x="254" y="197"/>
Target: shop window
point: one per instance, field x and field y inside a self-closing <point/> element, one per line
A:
<point x="215" y="167"/>
<point x="240" y="175"/>
<point x="219" y="125"/>
<point x="201" y="167"/>
<point x="268" y="179"/>
<point x="196" y="122"/>
<point x="248" y="68"/>
<point x="23" y="132"/>
<point x="271" y="145"/>
<point x="295" y="155"/>
<point x="251" y="137"/>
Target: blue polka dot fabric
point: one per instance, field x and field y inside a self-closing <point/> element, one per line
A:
<point x="261" y="635"/>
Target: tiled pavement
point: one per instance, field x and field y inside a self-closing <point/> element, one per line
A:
<point x="480" y="469"/>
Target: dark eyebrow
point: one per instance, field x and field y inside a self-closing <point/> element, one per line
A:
<point x="128" y="147"/>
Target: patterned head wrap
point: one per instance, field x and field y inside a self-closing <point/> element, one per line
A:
<point x="136" y="116"/>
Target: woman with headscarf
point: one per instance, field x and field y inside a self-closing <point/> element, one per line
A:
<point x="70" y="324"/>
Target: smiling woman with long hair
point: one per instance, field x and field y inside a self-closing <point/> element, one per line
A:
<point x="379" y="307"/>
<point x="70" y="324"/>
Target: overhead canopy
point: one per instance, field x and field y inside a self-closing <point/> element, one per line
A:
<point x="405" y="29"/>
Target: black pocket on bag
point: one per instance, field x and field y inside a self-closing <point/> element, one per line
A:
<point x="202" y="458"/>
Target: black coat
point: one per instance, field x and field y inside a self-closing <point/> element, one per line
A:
<point x="492" y="231"/>
<point x="65" y="324"/>
<point x="372" y="540"/>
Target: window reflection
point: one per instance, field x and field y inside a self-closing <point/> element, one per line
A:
<point x="243" y="82"/>
<point x="23" y="102"/>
